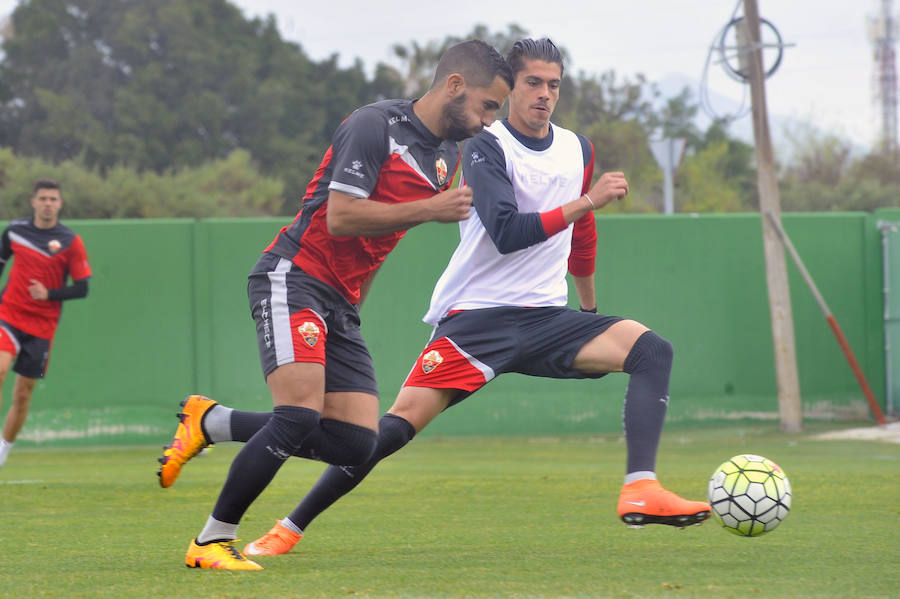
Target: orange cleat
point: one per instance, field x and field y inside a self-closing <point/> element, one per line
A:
<point x="646" y="502"/>
<point x="188" y="441"/>
<point x="275" y="542"/>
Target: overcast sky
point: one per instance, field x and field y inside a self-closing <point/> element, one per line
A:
<point x="825" y="77"/>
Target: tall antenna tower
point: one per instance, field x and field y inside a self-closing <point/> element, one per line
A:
<point x="883" y="32"/>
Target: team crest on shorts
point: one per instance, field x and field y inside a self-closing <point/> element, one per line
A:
<point x="440" y="165"/>
<point x="310" y="333"/>
<point x="431" y="360"/>
<point x="53" y="245"/>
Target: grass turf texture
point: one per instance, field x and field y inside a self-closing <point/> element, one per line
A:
<point x="502" y="517"/>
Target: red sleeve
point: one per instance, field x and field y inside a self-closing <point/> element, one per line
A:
<point x="553" y="221"/>
<point x="79" y="267"/>
<point x="584" y="246"/>
<point x="584" y="235"/>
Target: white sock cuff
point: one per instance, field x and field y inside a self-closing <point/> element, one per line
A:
<point x="286" y="522"/>
<point x="216" y="530"/>
<point x="217" y="424"/>
<point x="639" y="475"/>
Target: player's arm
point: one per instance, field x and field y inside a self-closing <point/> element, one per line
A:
<point x="587" y="295"/>
<point x="358" y="216"/>
<point x="484" y="169"/>
<point x="79" y="269"/>
<point x="76" y="290"/>
<point x="360" y="147"/>
<point x="582" y="260"/>
<point x="5" y="249"/>
<point x="583" y="255"/>
<point x="494" y="198"/>
<point x="609" y="187"/>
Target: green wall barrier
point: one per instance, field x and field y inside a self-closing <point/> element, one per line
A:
<point x="167" y="316"/>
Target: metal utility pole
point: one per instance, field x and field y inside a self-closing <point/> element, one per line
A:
<point x="789" y="403"/>
<point x="883" y="33"/>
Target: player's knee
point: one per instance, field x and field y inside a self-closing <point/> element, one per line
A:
<point x="649" y="352"/>
<point x="394" y="432"/>
<point x="290" y="425"/>
<point x="22" y="394"/>
<point x="350" y="444"/>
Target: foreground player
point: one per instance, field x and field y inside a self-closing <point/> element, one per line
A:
<point x="500" y="305"/>
<point x="45" y="253"/>
<point x="388" y="169"/>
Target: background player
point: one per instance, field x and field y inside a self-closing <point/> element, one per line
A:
<point x="388" y="169"/>
<point x="46" y="253"/>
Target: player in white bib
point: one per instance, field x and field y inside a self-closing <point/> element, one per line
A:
<point x="501" y="304"/>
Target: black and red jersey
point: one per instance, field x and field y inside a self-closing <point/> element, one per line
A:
<point x="382" y="152"/>
<point x="46" y="255"/>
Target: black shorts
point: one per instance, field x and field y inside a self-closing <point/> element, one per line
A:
<point x="32" y="353"/>
<point x="301" y="319"/>
<point x="470" y="348"/>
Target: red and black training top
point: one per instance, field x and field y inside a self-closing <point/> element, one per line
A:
<point x="47" y="255"/>
<point x="382" y="152"/>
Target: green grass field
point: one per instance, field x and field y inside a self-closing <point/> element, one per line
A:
<point x="504" y="517"/>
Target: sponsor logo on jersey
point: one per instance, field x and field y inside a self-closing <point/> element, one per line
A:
<point x="54" y="245"/>
<point x="431" y="360"/>
<point x="440" y="165"/>
<point x="476" y="158"/>
<point x="267" y="328"/>
<point x="398" y="119"/>
<point x="310" y="333"/>
<point x="354" y="169"/>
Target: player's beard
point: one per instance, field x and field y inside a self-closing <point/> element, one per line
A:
<point x="457" y="128"/>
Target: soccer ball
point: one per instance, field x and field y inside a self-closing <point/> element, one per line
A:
<point x="750" y="495"/>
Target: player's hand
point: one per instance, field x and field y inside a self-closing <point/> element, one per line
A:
<point x="610" y="186"/>
<point x="37" y="290"/>
<point x="452" y="205"/>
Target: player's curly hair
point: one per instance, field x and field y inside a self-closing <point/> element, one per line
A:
<point x="477" y="61"/>
<point x="531" y="49"/>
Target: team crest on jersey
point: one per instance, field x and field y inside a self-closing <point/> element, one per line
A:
<point x="440" y="165"/>
<point x="310" y="333"/>
<point x="431" y="360"/>
<point x="54" y="245"/>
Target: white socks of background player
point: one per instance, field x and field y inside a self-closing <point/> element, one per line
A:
<point x="5" y="446"/>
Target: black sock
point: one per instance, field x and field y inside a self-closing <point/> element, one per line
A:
<point x="259" y="460"/>
<point x="393" y="433"/>
<point x="339" y="443"/>
<point x="246" y="424"/>
<point x="649" y="363"/>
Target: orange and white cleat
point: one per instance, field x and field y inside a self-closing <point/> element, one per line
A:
<point x="188" y="441"/>
<point x="218" y="555"/>
<point x="275" y="542"/>
<point x="646" y="502"/>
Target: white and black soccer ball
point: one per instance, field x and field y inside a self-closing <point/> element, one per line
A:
<point x="750" y="495"/>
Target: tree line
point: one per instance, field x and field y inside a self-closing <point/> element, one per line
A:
<point x="172" y="108"/>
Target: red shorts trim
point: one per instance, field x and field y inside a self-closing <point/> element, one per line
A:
<point x="309" y="335"/>
<point x="8" y="343"/>
<point x="441" y="365"/>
